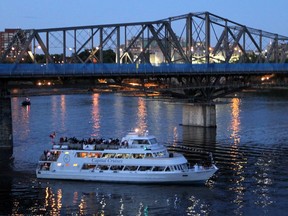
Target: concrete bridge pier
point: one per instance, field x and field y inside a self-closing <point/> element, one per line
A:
<point x="199" y="115"/>
<point x="6" y="131"/>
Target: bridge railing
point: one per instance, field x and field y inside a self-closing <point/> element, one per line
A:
<point x="30" y="70"/>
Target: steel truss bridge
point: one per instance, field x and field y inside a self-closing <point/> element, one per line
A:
<point x="204" y="55"/>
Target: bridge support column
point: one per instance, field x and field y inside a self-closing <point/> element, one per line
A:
<point x="6" y="132"/>
<point x="199" y="115"/>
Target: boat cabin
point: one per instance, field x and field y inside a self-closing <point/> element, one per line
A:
<point x="134" y="140"/>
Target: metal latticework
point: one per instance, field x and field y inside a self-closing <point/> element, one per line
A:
<point x="192" y="38"/>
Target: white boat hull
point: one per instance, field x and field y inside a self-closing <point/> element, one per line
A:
<point x="148" y="177"/>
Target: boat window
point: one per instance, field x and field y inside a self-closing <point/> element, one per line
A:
<point x="167" y="169"/>
<point x="88" y="166"/>
<point x="102" y="167"/>
<point x="94" y="155"/>
<point x="145" y="142"/>
<point x="184" y="167"/>
<point x="108" y="155"/>
<point x="119" y="156"/>
<point x="160" y="154"/>
<point x="82" y="154"/>
<point x="145" y="168"/>
<point x="91" y="155"/>
<point x="153" y="141"/>
<point x="138" y="156"/>
<point x="98" y="155"/>
<point x="140" y="142"/>
<point x="158" y="168"/>
<point x="148" y="155"/>
<point x="116" y="167"/>
<point x="135" y="142"/>
<point x="130" y="168"/>
<point x="126" y="156"/>
<point x="45" y="166"/>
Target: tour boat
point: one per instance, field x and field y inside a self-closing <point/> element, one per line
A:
<point x="137" y="158"/>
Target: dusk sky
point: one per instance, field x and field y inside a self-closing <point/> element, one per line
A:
<point x="267" y="15"/>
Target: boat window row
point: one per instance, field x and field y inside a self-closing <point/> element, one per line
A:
<point x="74" y="140"/>
<point x="140" y="142"/>
<point x="119" y="155"/>
<point x="95" y="167"/>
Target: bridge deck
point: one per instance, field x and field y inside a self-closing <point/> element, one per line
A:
<point x="132" y="70"/>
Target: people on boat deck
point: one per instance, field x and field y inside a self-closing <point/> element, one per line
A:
<point x="48" y="155"/>
<point x="90" y="140"/>
<point x="52" y="135"/>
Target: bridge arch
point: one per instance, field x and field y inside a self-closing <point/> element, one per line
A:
<point x="191" y="38"/>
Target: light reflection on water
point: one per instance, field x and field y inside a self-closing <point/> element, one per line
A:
<point x="252" y="177"/>
<point x="238" y="166"/>
<point x="95" y="115"/>
<point x="105" y="199"/>
<point x="235" y="122"/>
<point x="142" y="115"/>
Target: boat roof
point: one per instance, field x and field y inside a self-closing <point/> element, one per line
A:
<point x="137" y="136"/>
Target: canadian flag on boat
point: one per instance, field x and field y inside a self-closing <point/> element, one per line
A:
<point x="52" y="135"/>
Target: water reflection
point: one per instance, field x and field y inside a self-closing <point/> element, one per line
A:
<point x="264" y="181"/>
<point x="237" y="165"/>
<point x="21" y="115"/>
<point x="56" y="112"/>
<point x="200" y="135"/>
<point x="175" y="136"/>
<point x="84" y="198"/>
<point x="235" y="123"/>
<point x="26" y="120"/>
<point x="63" y="110"/>
<point x="95" y="115"/>
<point x="198" y="143"/>
<point x="119" y="108"/>
<point x="54" y="107"/>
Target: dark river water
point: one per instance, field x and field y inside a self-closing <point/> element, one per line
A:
<point x="249" y="145"/>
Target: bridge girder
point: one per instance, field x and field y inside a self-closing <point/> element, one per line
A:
<point x="191" y="38"/>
